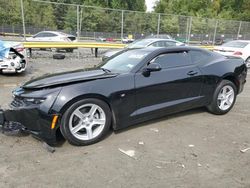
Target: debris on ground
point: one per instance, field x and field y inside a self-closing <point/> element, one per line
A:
<point x="130" y="153"/>
<point x="193" y="154"/>
<point x="155" y="130"/>
<point x="244" y="150"/>
<point x="12" y="129"/>
<point x="166" y="162"/>
<point x="182" y="165"/>
<point x="199" y="165"/>
<point x="48" y="147"/>
<point x="191" y="145"/>
<point x="141" y="143"/>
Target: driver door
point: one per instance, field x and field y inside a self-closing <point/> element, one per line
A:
<point x="174" y="88"/>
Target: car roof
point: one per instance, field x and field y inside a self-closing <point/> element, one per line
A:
<point x="55" y="32"/>
<point x="158" y="39"/>
<point x="170" y="49"/>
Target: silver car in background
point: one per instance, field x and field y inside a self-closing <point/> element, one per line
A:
<point x="144" y="43"/>
<point x="53" y="36"/>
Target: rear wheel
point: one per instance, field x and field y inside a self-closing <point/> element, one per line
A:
<point x="86" y="122"/>
<point x="224" y="98"/>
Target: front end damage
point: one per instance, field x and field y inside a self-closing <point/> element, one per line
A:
<point x="30" y="112"/>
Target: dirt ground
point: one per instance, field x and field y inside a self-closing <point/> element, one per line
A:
<point x="189" y="149"/>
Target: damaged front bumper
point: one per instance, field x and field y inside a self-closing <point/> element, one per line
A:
<point x="31" y="121"/>
<point x="36" y="119"/>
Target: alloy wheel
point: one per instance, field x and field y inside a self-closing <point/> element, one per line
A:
<point x="226" y="97"/>
<point x="87" y="121"/>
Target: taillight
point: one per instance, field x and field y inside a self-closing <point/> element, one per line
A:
<point x="237" y="53"/>
<point x="19" y="49"/>
<point x="66" y="39"/>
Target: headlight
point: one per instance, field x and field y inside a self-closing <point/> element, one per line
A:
<point x="33" y="100"/>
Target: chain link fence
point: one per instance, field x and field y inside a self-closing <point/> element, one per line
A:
<point x="93" y="23"/>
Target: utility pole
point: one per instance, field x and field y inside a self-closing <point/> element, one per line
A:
<point x="24" y="31"/>
<point x="239" y="30"/>
<point x="215" y="31"/>
<point x="78" y="29"/>
<point x="190" y="29"/>
<point x="158" y="25"/>
<point x="122" y="24"/>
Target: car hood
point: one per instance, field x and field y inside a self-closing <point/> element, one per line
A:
<point x="51" y="80"/>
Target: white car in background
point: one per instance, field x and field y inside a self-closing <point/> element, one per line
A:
<point x="238" y="48"/>
<point x="52" y="36"/>
<point x="12" y="57"/>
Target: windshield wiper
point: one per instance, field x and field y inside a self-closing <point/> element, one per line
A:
<point x="106" y="70"/>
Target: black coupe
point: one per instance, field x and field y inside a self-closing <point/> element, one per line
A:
<point x="134" y="86"/>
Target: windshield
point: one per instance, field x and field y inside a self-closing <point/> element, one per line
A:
<point x="236" y="44"/>
<point x="125" y="62"/>
<point x="140" y="43"/>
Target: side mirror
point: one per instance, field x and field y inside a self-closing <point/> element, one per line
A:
<point x="152" y="67"/>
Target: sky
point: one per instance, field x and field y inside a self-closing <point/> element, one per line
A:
<point x="150" y="4"/>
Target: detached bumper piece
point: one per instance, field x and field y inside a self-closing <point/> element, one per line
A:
<point x="11" y="128"/>
<point x="29" y="120"/>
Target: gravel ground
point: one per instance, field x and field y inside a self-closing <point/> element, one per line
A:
<point x="189" y="149"/>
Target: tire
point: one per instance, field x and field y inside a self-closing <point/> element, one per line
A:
<point x="224" y="98"/>
<point x="58" y="56"/>
<point x="78" y="122"/>
<point x="248" y="62"/>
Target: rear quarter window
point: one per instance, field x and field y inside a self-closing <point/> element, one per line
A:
<point x="200" y="56"/>
<point x="170" y="60"/>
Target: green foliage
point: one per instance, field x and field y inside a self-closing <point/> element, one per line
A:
<point x="64" y="17"/>
<point x="204" y="13"/>
<point x="226" y="9"/>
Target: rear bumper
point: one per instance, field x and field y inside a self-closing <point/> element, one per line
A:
<point x="13" y="65"/>
<point x="33" y="121"/>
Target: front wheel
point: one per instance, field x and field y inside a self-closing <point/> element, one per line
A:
<point x="224" y="98"/>
<point x="86" y="122"/>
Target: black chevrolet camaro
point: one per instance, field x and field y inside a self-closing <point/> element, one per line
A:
<point x="132" y="87"/>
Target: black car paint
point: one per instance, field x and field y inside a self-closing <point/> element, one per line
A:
<point x="132" y="97"/>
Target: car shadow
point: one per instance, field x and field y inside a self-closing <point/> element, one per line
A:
<point x="61" y="140"/>
<point x="163" y="118"/>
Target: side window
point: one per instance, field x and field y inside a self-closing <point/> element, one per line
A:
<point x="168" y="43"/>
<point x="155" y="44"/>
<point x="175" y="59"/>
<point x="158" y="44"/>
<point x="199" y="56"/>
<point x="51" y="35"/>
<point x="40" y="35"/>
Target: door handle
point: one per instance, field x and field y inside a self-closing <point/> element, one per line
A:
<point x="192" y="73"/>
